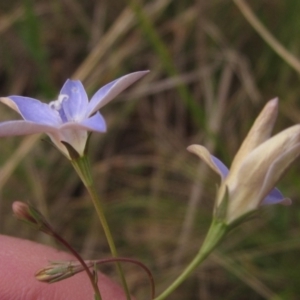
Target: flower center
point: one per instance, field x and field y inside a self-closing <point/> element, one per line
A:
<point x="57" y="106"/>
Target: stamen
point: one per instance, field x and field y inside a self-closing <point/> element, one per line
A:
<point x="56" y="104"/>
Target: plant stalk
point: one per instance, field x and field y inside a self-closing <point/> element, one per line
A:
<point x="215" y="234"/>
<point x="82" y="167"/>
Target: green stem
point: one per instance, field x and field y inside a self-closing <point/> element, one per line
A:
<point x="82" y="167"/>
<point x="216" y="232"/>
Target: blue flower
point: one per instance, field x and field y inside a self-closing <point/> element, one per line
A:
<point x="67" y="119"/>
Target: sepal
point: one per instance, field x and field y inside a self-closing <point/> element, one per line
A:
<point x="72" y="152"/>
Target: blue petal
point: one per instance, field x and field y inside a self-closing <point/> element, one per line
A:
<point x="95" y="123"/>
<point x="274" y="197"/>
<point x="219" y="164"/>
<point x="20" y="127"/>
<point x="35" y="111"/>
<point x="111" y="90"/>
<point x="76" y="103"/>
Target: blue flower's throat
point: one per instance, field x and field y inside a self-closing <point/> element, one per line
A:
<point x="57" y="105"/>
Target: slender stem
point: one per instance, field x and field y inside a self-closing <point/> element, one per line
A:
<point x="133" y="261"/>
<point x="82" y="262"/>
<point x="216" y="232"/>
<point x="82" y="167"/>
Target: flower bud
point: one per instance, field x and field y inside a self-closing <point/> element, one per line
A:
<point x="57" y="271"/>
<point x="31" y="216"/>
<point x="257" y="167"/>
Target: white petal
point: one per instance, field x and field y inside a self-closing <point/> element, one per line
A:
<point x="259" y="132"/>
<point x="253" y="170"/>
<point x="260" y="172"/>
<point x="214" y="163"/>
<point x="75" y="137"/>
<point x="277" y="169"/>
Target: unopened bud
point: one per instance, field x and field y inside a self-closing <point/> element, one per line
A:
<point x="31" y="216"/>
<point x="57" y="271"/>
<point x="22" y="211"/>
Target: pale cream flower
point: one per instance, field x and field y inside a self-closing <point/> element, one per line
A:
<point x="258" y="165"/>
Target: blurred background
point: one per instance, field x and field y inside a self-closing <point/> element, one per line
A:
<point x="212" y="70"/>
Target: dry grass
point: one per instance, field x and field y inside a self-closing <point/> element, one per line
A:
<point x="210" y="75"/>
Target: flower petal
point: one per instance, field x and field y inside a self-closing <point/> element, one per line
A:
<point x="214" y="163"/>
<point x="260" y="171"/>
<point x="253" y="170"/>
<point x="275" y="197"/>
<point x="111" y="90"/>
<point x="259" y="132"/>
<point x="95" y="123"/>
<point x="74" y="137"/>
<point x="277" y="169"/>
<point x="20" y="127"/>
<point x="76" y="103"/>
<point x="33" y="110"/>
